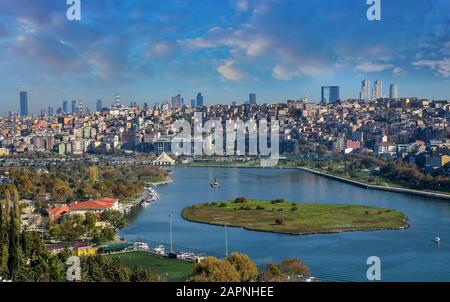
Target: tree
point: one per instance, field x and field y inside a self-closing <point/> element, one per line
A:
<point x="93" y="174"/>
<point x="294" y="267"/>
<point x="244" y="266"/>
<point x="213" y="270"/>
<point x="90" y="219"/>
<point x="140" y="274"/>
<point x="14" y="235"/>
<point x="272" y="273"/>
<point x="114" y="218"/>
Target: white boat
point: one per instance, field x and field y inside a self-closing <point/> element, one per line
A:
<point x="215" y="184"/>
<point x="141" y="246"/>
<point x="160" y="250"/>
<point x="437" y="239"/>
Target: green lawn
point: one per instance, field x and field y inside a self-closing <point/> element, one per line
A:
<point x="297" y="219"/>
<point x="167" y="269"/>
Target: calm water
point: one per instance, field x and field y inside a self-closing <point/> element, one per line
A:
<point x="408" y="255"/>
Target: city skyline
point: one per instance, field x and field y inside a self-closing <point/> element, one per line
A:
<point x="150" y="50"/>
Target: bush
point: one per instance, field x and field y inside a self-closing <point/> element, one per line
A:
<point x="280" y="210"/>
<point x="213" y="203"/>
<point x="246" y="208"/>
<point x="293" y="209"/>
<point x="240" y="200"/>
<point x="277" y="201"/>
<point x="260" y="208"/>
<point x="223" y="205"/>
<point x="279" y="221"/>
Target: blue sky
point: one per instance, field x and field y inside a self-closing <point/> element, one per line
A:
<point x="279" y="49"/>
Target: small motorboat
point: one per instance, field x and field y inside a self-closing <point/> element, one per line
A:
<point x="437" y="239"/>
<point x="215" y="184"/>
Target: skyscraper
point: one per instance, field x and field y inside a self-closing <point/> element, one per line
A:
<point x="193" y="104"/>
<point x="365" y="90"/>
<point x="393" y="92"/>
<point x="99" y="106"/>
<point x="252" y="99"/>
<point x="176" y="102"/>
<point x="330" y="94"/>
<point x="200" y="100"/>
<point x="74" y="107"/>
<point x="145" y="106"/>
<point x="65" y="107"/>
<point x="378" y="89"/>
<point x="23" y="103"/>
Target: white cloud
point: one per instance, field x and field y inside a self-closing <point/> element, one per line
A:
<point x="398" y="71"/>
<point x="230" y="72"/>
<point x="242" y="5"/>
<point x="284" y="74"/>
<point x="442" y="67"/>
<point x="373" y="67"/>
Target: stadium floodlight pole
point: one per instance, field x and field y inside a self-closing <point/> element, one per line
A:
<point x="171" y="237"/>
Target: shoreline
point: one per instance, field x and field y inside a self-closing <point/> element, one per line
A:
<point x="213" y="214"/>
<point x="128" y="206"/>
<point x="427" y="194"/>
<point x="366" y="186"/>
<point x="407" y="226"/>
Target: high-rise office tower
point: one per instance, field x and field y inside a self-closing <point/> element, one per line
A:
<point x="200" y="100"/>
<point x="99" y="106"/>
<point x="252" y="99"/>
<point x="23" y="103"/>
<point x="65" y="107"/>
<point x="365" y="91"/>
<point x="176" y="102"/>
<point x="393" y="92"/>
<point x="330" y="94"/>
<point x="193" y="104"/>
<point x="74" y="107"/>
<point x="145" y="106"/>
<point x="378" y="88"/>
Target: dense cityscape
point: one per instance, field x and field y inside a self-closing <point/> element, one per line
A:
<point x="414" y="130"/>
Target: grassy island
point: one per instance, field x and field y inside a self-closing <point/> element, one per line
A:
<point x="279" y="216"/>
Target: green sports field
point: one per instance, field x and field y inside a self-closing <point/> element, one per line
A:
<point x="171" y="270"/>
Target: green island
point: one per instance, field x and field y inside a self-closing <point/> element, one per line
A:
<point x="279" y="216"/>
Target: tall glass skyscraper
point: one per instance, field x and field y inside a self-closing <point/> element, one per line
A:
<point x="200" y="100"/>
<point x="99" y="106"/>
<point x="74" y="107"/>
<point x="393" y="93"/>
<point x="23" y="103"/>
<point x="330" y="94"/>
<point x="252" y="99"/>
<point x="65" y="107"/>
<point x="365" y="91"/>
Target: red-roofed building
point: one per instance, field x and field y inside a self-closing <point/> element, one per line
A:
<point x="97" y="206"/>
<point x="57" y="212"/>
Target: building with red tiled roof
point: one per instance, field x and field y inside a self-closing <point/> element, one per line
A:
<point x="97" y="206"/>
<point x="57" y="212"/>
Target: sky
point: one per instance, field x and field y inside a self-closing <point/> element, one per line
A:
<point x="150" y="50"/>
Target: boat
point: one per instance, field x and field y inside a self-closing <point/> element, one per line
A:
<point x="437" y="239"/>
<point x="141" y="246"/>
<point x="215" y="184"/>
<point x="160" y="250"/>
